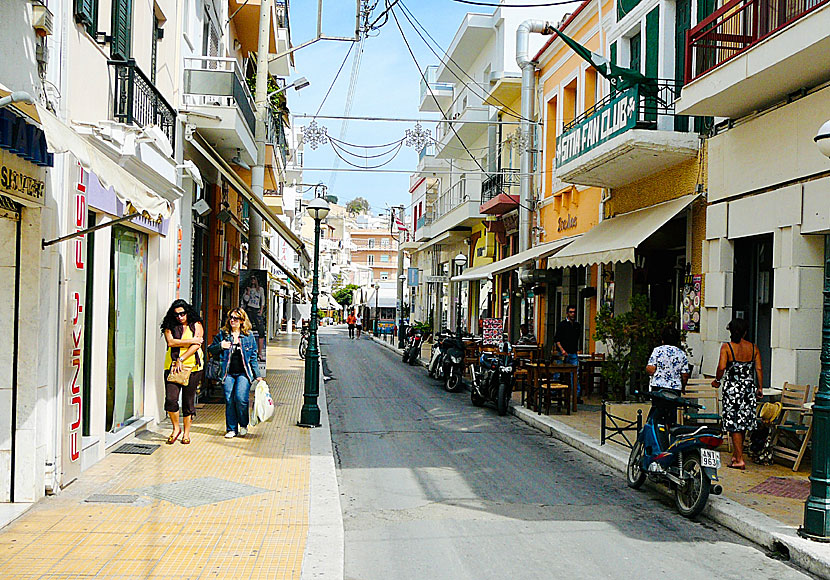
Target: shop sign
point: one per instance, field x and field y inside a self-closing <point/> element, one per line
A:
<point x="22" y="180"/>
<point x="74" y="333"/>
<point x="567" y="223"/>
<point x="616" y="116"/>
<point x="437" y="279"/>
<point x="386" y="326"/>
<point x="103" y="199"/>
<point x="691" y="303"/>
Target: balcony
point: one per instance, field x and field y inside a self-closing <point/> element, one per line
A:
<point x="138" y="102"/>
<point x="432" y="91"/>
<point x="428" y="165"/>
<point x="500" y="192"/>
<point x="505" y="88"/>
<point x="423" y="227"/>
<point x="750" y="54"/>
<point x="246" y="26"/>
<point x="457" y="206"/>
<point x="276" y="151"/>
<point x="220" y="105"/>
<point x="625" y="137"/>
<point x="470" y="119"/>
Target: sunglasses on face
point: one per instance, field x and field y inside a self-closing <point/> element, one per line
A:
<point x="237" y="318"/>
<point x="181" y="314"/>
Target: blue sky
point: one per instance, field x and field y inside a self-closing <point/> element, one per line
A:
<point x="388" y="86"/>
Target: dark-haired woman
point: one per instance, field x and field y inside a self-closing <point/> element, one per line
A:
<point x="740" y="368"/>
<point x="184" y="333"/>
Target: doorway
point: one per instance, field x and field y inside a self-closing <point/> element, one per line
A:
<point x="752" y="294"/>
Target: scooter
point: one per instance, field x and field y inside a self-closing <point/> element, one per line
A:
<point x="452" y="363"/>
<point x="412" y="350"/>
<point x="493" y="380"/>
<point x="680" y="456"/>
<point x="435" y="369"/>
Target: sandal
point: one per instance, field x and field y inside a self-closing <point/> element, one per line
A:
<point x="173" y="437"/>
<point x="185" y="440"/>
<point x="733" y="466"/>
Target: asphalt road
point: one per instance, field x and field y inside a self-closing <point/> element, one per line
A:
<point x="432" y="487"/>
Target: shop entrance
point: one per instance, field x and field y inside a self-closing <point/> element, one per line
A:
<point x="127" y="326"/>
<point x="752" y="293"/>
<point x="660" y="267"/>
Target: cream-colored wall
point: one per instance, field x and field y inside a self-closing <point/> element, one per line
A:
<point x="771" y="149"/>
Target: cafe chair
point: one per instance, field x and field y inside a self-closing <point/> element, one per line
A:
<point x="547" y="390"/>
<point x="795" y="425"/>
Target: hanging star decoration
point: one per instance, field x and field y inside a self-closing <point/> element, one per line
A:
<point x="520" y="139"/>
<point x="418" y="138"/>
<point x="314" y="135"/>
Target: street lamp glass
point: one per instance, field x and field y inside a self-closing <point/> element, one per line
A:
<point x="822" y="139"/>
<point x="460" y="260"/>
<point x="318" y="208"/>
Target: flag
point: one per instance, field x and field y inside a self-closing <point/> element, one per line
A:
<point x="400" y="225"/>
<point x="620" y="77"/>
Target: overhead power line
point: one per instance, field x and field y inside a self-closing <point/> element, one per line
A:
<point x="334" y="80"/>
<point x="499" y="5"/>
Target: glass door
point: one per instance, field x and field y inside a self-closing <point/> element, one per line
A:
<point x="127" y="325"/>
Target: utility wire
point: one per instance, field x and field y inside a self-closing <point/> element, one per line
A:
<point x="334" y="80"/>
<point x="408" y="14"/>
<point x="344" y="125"/>
<point x="443" y="114"/>
<point x="499" y="5"/>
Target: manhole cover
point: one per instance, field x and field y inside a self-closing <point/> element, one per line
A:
<point x="110" y="498"/>
<point x="200" y="491"/>
<point x="137" y="448"/>
<point x="784" y="487"/>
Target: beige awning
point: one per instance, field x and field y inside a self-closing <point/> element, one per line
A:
<point x="615" y="239"/>
<point x="535" y="253"/>
<point x="60" y="138"/>
<point x="257" y="204"/>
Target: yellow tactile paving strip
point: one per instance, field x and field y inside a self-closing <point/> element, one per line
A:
<point x="254" y="537"/>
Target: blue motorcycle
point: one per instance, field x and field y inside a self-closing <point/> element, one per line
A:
<point x="681" y="456"/>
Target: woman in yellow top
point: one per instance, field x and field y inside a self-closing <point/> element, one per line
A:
<point x="184" y="333"/>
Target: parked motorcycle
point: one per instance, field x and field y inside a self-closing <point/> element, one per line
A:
<point x="452" y="363"/>
<point x="435" y="368"/>
<point x="680" y="456"/>
<point x="493" y="380"/>
<point x="412" y="350"/>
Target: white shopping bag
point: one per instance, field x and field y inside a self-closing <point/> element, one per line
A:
<point x="263" y="403"/>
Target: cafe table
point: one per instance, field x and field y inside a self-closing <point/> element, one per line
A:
<point x="533" y="370"/>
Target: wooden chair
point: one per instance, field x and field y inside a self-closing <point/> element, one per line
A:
<point x="795" y="425"/>
<point x="546" y="390"/>
<point x="521" y="373"/>
<point x="702" y="391"/>
<point x="590" y="373"/>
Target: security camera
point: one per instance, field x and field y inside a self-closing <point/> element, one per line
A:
<point x="822" y="139"/>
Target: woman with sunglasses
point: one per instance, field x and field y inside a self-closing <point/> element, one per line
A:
<point x="184" y="333"/>
<point x="237" y="349"/>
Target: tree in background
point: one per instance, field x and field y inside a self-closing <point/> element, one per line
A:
<point x="357" y="205"/>
<point x="344" y="295"/>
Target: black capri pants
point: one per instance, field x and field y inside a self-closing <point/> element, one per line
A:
<point x="188" y="392"/>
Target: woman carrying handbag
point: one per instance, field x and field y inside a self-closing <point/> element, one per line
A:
<point x="237" y="351"/>
<point x="183" y="363"/>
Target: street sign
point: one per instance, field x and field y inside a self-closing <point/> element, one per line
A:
<point x="437" y="279"/>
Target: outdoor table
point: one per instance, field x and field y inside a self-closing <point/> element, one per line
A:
<point x="590" y="368"/>
<point x="525" y="354"/>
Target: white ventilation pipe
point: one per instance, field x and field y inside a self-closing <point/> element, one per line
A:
<point x="528" y="94"/>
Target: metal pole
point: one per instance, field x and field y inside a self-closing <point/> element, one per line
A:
<point x="310" y="413"/>
<point x="817" y="507"/>
<point x="401" y="334"/>
<point x="261" y="99"/>
<point x="458" y="304"/>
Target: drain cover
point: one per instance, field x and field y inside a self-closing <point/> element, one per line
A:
<point x="137" y="448"/>
<point x="110" y="498"/>
<point x="199" y="491"/>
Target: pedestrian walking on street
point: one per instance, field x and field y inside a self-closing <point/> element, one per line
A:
<point x="350" y="320"/>
<point x="183" y="330"/>
<point x="237" y="351"/>
<point x="358" y="324"/>
<point x="567" y="342"/>
<point x="668" y="365"/>
<point x="740" y="368"/>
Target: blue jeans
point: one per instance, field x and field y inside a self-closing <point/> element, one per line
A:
<point x="237" y="388"/>
<point x="573" y="359"/>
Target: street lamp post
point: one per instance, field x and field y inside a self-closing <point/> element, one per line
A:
<point x="377" y="314"/>
<point x="817" y="507"/>
<point x="460" y="261"/>
<point x="318" y="209"/>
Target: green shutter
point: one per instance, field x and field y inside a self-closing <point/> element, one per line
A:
<point x="625" y="6"/>
<point x="86" y="13"/>
<point x="635" y="53"/>
<point x="652" y="59"/>
<point x="704" y="8"/>
<point x="683" y="21"/>
<point x="613" y="55"/>
<point x="122" y="21"/>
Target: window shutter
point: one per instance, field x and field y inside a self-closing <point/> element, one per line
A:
<point x="86" y="13"/>
<point x="122" y="16"/>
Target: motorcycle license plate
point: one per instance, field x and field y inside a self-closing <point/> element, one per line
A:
<point x="709" y="458"/>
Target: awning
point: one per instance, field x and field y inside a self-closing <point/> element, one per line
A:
<point x="388" y="298"/>
<point x="256" y="203"/>
<point x="292" y="275"/>
<point x="60" y="138"/>
<point x="535" y="253"/>
<point x="615" y="239"/>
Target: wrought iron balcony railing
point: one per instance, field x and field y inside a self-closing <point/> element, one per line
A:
<point x="275" y="134"/>
<point x="210" y="80"/>
<point x="138" y="101"/>
<point x="507" y="181"/>
<point x="737" y="26"/>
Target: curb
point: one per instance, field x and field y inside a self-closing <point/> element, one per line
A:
<point x="754" y="526"/>
<point x="324" y="555"/>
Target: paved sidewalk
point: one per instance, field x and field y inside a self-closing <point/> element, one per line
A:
<point x="218" y="508"/>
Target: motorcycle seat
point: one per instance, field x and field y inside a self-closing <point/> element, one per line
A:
<point x="694" y="430"/>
